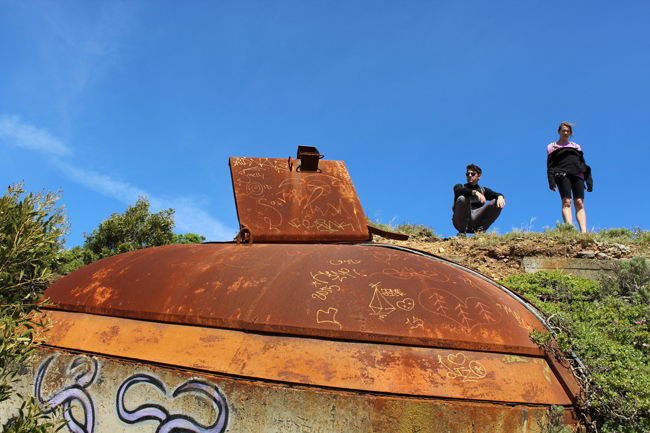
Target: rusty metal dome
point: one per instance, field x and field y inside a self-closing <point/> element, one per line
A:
<point x="363" y="317"/>
<point x="302" y="300"/>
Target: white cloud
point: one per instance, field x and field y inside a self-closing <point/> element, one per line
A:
<point x="17" y="133"/>
<point x="122" y="191"/>
<point x="189" y="216"/>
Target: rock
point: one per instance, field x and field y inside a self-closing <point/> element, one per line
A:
<point x="601" y="256"/>
<point x="587" y="254"/>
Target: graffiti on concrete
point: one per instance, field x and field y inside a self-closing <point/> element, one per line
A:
<point x="67" y="387"/>
<point x="84" y="370"/>
<point x="169" y="422"/>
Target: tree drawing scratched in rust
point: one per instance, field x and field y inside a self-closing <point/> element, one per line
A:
<point x="432" y="295"/>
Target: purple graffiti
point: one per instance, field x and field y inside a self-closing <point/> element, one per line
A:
<point x="172" y="423"/>
<point x="85" y="371"/>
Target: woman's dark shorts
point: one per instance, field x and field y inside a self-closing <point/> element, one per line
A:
<point x="570" y="183"/>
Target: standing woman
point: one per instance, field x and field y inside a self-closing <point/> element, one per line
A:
<point x="566" y="169"/>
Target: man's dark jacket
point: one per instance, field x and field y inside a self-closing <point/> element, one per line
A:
<point x="466" y="190"/>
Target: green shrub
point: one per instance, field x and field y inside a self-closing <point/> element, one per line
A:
<point x="631" y="280"/>
<point x="553" y="421"/>
<point x="68" y="261"/>
<point x="564" y="228"/>
<point x="31" y="234"/>
<point x="642" y="238"/>
<point x="30" y="418"/>
<point x="616" y="233"/>
<point x="188" y="238"/>
<point x="135" y="229"/>
<point x="415" y="230"/>
<point x="606" y="325"/>
<point x="556" y="287"/>
<point x="381" y="226"/>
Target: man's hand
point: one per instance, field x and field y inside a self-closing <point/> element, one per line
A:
<point x="480" y="196"/>
<point x="553" y="189"/>
<point x="501" y="202"/>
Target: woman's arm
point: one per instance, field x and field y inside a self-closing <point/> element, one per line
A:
<point x="550" y="172"/>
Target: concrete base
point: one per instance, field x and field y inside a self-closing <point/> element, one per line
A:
<point x="109" y="395"/>
<point x="584" y="268"/>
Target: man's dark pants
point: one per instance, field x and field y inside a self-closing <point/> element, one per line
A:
<point x="468" y="220"/>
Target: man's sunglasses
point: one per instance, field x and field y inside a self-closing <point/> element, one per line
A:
<point x="470" y="173"/>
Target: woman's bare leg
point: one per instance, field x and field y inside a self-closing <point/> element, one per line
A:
<point x="566" y="210"/>
<point x="581" y="217"/>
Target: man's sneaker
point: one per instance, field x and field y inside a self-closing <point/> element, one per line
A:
<point x="461" y="235"/>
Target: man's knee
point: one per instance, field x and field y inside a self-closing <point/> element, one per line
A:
<point x="461" y="205"/>
<point x="491" y="203"/>
<point x="495" y="210"/>
<point x="566" y="202"/>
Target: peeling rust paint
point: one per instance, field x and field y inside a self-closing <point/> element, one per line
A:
<point x="277" y="203"/>
<point x="355" y="317"/>
<point x="367" y="367"/>
<point x="355" y="292"/>
<point x="115" y="395"/>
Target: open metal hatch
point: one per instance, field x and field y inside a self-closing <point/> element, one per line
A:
<point x="301" y="200"/>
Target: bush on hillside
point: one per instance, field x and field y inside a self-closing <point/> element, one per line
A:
<point x="31" y="234"/>
<point x="617" y="233"/>
<point x="135" y="229"/>
<point x="415" y="230"/>
<point x="188" y="238"/>
<point x="606" y="325"/>
<point x="68" y="261"/>
<point x="564" y="228"/>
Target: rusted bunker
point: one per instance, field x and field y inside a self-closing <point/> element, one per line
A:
<point x="301" y="325"/>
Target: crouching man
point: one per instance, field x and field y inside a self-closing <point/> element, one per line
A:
<point x="475" y="208"/>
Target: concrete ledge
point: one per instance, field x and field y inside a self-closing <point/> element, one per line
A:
<point x="585" y="268"/>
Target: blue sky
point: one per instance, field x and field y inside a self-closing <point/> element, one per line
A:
<point x="111" y="100"/>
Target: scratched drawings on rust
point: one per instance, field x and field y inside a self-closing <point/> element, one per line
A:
<point x="279" y="203"/>
<point x="412" y="295"/>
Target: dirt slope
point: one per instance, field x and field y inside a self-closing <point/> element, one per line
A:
<point x="500" y="259"/>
